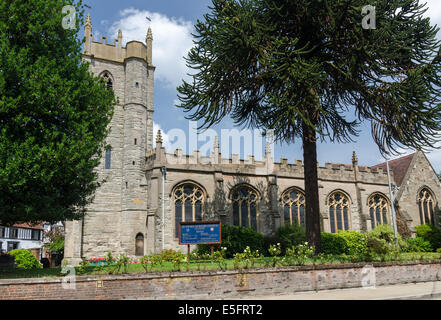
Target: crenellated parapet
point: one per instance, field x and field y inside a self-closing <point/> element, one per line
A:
<point x="265" y="167"/>
<point x="104" y="49"/>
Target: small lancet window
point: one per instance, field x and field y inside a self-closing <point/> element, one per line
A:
<point x="108" y="158"/>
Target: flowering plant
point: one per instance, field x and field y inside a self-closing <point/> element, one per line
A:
<point x="219" y="257"/>
<point x="299" y="254"/>
<point x="274" y="251"/>
<point x="248" y="258"/>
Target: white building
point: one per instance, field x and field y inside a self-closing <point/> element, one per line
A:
<point x="21" y="236"/>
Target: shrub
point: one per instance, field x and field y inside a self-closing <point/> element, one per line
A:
<point x="381" y="242"/>
<point x="356" y="242"/>
<point x="378" y="246"/>
<point x="332" y="243"/>
<point x="25" y="259"/>
<point x="417" y="244"/>
<point x="431" y="234"/>
<point x="169" y="255"/>
<point x="236" y="239"/>
<point x="384" y="232"/>
<point x="290" y="235"/>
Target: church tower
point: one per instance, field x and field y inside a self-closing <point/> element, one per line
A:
<point x="116" y="220"/>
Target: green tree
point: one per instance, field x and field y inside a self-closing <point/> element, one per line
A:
<point x="309" y="70"/>
<point x="54" y="115"/>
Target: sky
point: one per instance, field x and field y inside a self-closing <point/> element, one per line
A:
<point x="172" y="23"/>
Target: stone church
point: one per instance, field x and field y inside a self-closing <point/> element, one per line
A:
<point x="138" y="208"/>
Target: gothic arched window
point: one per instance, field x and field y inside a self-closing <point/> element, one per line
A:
<point x="378" y="209"/>
<point x="188" y="199"/>
<point x="293" y="204"/>
<point x="426" y="206"/>
<point x="244" y="201"/>
<point x="338" y="204"/>
<point x="108" y="80"/>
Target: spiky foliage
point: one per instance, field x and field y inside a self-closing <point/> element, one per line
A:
<point x="308" y="69"/>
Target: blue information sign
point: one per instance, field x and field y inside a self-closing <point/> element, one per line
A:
<point x="203" y="232"/>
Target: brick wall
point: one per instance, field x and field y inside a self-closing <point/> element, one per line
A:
<point x="217" y="284"/>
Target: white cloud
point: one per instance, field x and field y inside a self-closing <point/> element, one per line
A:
<point x="171" y="41"/>
<point x="434" y="11"/>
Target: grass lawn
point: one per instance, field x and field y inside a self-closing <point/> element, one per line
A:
<point x="202" y="265"/>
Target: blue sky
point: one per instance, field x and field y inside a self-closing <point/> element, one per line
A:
<point x="172" y="23"/>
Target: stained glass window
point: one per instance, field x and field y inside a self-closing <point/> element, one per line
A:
<point x="338" y="211"/>
<point x="378" y="209"/>
<point x="293" y="204"/>
<point x="426" y="205"/>
<point x="188" y="200"/>
<point x="245" y="211"/>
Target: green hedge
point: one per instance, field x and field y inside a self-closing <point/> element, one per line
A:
<point x="430" y="234"/>
<point x="333" y="243"/>
<point x="417" y="244"/>
<point x="25" y="259"/>
<point x="236" y="239"/>
<point x="288" y="236"/>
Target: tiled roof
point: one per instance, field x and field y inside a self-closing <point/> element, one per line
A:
<point x="29" y="226"/>
<point x="398" y="166"/>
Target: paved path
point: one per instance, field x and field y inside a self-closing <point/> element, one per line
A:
<point x="422" y="290"/>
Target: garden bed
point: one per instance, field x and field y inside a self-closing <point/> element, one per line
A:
<point x="135" y="267"/>
<point x="222" y="284"/>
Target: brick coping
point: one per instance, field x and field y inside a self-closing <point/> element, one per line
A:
<point x="195" y="273"/>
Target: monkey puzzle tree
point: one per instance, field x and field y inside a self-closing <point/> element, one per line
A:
<point x="53" y="115"/>
<point x="304" y="68"/>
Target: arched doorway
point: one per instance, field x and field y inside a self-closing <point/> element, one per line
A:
<point x="139" y="245"/>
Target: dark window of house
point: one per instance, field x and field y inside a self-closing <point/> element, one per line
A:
<point x="13" y="233"/>
<point x="135" y="141"/>
<point x="108" y="157"/>
<point x="12" y="245"/>
<point x="35" y="234"/>
<point x="2" y="232"/>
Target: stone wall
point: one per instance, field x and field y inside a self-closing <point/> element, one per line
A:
<point x="221" y="284"/>
<point x="419" y="175"/>
<point x="216" y="175"/>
